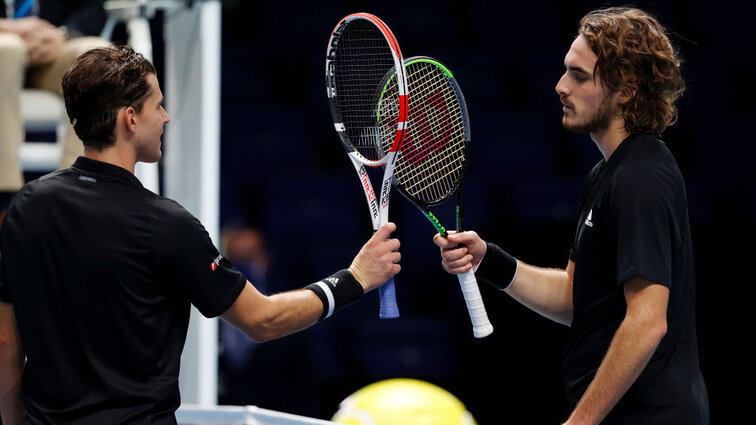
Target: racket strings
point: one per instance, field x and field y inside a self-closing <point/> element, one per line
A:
<point x="431" y="158"/>
<point x="363" y="60"/>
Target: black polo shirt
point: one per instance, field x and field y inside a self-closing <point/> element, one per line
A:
<point x="634" y="222"/>
<point x="101" y="273"/>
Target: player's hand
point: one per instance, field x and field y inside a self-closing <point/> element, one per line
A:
<point x="460" y="252"/>
<point x="378" y="259"/>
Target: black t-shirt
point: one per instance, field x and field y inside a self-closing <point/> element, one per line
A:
<point x="101" y="273"/>
<point x="634" y="222"/>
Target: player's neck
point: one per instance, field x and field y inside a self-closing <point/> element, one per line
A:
<point x="119" y="154"/>
<point x="607" y="140"/>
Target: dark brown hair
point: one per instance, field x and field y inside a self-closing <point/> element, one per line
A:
<point x="99" y="83"/>
<point x="635" y="54"/>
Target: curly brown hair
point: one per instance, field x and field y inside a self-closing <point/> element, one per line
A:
<point x="635" y="55"/>
<point x="99" y="83"/>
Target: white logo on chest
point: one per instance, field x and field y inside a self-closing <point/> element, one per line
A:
<point x="588" y="221"/>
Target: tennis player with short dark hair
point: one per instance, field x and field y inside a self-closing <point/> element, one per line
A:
<point x="628" y="291"/>
<point x="97" y="274"/>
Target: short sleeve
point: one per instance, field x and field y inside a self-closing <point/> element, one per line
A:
<point x="643" y="207"/>
<point x="189" y="260"/>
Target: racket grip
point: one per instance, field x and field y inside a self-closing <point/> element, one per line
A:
<point x="387" y="295"/>
<point x="481" y="325"/>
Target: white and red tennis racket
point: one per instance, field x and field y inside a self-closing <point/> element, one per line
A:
<point x="369" y="118"/>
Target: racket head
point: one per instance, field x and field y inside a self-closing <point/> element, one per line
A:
<point x="432" y="161"/>
<point x="362" y="50"/>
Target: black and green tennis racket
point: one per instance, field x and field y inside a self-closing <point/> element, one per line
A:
<point x="432" y="160"/>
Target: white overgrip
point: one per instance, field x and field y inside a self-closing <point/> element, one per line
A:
<point x="481" y="325"/>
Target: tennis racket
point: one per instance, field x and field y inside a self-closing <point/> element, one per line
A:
<point x="432" y="161"/>
<point x="362" y="51"/>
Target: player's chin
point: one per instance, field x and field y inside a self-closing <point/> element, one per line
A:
<point x="571" y="125"/>
<point x="152" y="156"/>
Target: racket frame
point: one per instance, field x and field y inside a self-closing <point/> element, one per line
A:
<point x="379" y="207"/>
<point x="459" y="184"/>
<point x="481" y="324"/>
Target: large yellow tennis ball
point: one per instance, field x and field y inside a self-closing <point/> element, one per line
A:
<point x="402" y="402"/>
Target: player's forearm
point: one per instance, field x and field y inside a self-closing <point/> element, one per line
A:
<point x="268" y="317"/>
<point x="11" y="370"/>
<point x="284" y="314"/>
<point x="11" y="409"/>
<point x="545" y="291"/>
<point x="632" y="347"/>
<point x="293" y="311"/>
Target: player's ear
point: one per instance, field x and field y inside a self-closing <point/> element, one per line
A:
<point x="626" y="94"/>
<point x="127" y="117"/>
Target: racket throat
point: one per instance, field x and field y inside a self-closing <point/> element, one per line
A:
<point x="434" y="221"/>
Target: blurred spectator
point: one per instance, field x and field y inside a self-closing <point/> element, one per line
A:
<point x="39" y="39"/>
<point x="245" y="248"/>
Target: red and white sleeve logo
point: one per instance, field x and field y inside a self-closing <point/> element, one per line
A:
<point x="214" y="265"/>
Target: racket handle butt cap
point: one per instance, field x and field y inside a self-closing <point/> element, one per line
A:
<point x="389" y="311"/>
<point x="483" y="331"/>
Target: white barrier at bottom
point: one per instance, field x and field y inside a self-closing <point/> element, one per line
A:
<point x="189" y="414"/>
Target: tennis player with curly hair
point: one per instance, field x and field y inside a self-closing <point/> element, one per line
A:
<point x="628" y="291"/>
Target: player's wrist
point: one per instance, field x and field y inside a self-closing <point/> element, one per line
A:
<point x="499" y="268"/>
<point x="479" y="256"/>
<point x="337" y="291"/>
<point x="357" y="274"/>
